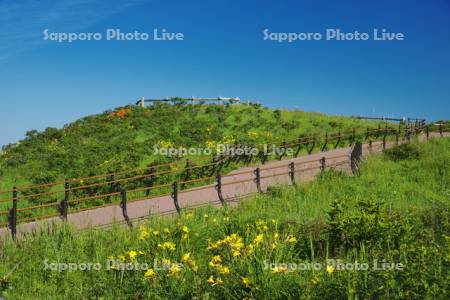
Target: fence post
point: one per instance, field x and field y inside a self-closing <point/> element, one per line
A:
<point x="123" y="205"/>
<point x="370" y="146"/>
<point x="338" y="140"/>
<point x="219" y="189"/>
<point x="384" y="139"/>
<point x="63" y="204"/>
<point x="292" y="172"/>
<point x="440" y="130"/>
<point x="151" y="172"/>
<point x="322" y="164"/>
<point x="355" y="156"/>
<point x="12" y="217"/>
<point x="427" y="132"/>
<point x="299" y="147"/>
<point x="175" y="197"/>
<point x="258" y="179"/>
<point x="312" y="146"/>
<point x="367" y="133"/>
<point x="326" y="141"/>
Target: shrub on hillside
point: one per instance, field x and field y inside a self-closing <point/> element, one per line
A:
<point x="403" y="152"/>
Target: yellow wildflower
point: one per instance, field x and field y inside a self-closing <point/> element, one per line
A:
<point x="185" y="229"/>
<point x="259" y="238"/>
<point x="175" y="269"/>
<point x="277" y="270"/>
<point x="330" y="269"/>
<point x="292" y="239"/>
<point x="250" y="249"/>
<point x="132" y="254"/>
<point x="143" y="233"/>
<point x="246" y="281"/>
<point x="194" y="266"/>
<point x="211" y="279"/>
<point x="150" y="274"/>
<point x="167" y="246"/>
<point x="216" y="259"/>
<point x="223" y="269"/>
<point x="186" y="257"/>
<point x="166" y="230"/>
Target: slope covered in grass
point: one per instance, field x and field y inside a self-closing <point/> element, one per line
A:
<point x="292" y="243"/>
<point x="125" y="138"/>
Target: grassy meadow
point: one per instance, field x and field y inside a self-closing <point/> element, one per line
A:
<point x="383" y="234"/>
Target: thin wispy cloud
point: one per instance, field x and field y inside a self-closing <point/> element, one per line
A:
<point x="22" y="22"/>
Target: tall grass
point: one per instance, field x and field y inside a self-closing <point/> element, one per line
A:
<point x="395" y="210"/>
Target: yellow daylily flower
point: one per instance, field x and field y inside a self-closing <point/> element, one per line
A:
<point x="330" y="269"/>
<point x="186" y="257"/>
<point x="246" y="281"/>
<point x="150" y="274"/>
<point x="132" y="254"/>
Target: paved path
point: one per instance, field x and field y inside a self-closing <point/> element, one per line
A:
<point x="236" y="184"/>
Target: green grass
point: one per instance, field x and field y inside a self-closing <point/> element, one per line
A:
<point x="107" y="142"/>
<point x="397" y="210"/>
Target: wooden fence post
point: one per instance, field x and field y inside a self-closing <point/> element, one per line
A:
<point x="219" y="189"/>
<point x="310" y="150"/>
<point x="326" y="141"/>
<point x="64" y="203"/>
<point x="292" y="172"/>
<point x="322" y="164"/>
<point x="257" y="173"/>
<point x="338" y="139"/>
<point x="12" y="217"/>
<point x="175" y="197"/>
<point x="123" y="205"/>
<point x="152" y="181"/>
<point x="355" y="156"/>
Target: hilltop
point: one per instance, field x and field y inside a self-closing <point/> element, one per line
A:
<point x="125" y="138"/>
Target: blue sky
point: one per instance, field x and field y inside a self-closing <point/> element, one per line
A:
<point x="46" y="83"/>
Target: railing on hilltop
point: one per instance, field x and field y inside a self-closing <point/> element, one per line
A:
<point x="192" y="100"/>
<point x="58" y="199"/>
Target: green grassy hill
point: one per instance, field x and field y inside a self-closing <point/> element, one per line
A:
<point x="124" y="138"/>
<point x="396" y="210"/>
